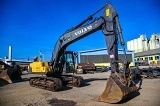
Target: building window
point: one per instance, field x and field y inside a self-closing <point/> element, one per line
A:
<point x="146" y="58"/>
<point x="150" y="58"/>
<point x="156" y="57"/>
<point x="141" y="58"/>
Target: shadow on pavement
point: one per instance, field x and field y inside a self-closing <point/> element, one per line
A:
<point x="94" y="79"/>
<point x="86" y="81"/>
<point x="130" y="97"/>
<point x="5" y="82"/>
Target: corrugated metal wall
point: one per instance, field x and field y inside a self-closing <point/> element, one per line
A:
<point x="101" y="58"/>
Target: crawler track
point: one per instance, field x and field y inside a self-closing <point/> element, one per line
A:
<point x="55" y="84"/>
<point x="48" y="83"/>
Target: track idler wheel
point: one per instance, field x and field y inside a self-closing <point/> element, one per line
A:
<point x="31" y="82"/>
<point x="116" y="91"/>
<point x="77" y="81"/>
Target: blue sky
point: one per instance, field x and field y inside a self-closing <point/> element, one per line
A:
<point x="30" y="26"/>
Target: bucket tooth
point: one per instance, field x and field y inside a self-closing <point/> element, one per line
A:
<point x="116" y="91"/>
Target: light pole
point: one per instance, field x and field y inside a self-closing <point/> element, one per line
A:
<point x="41" y="55"/>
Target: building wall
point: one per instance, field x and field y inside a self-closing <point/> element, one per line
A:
<point x="150" y="59"/>
<point x="100" y="57"/>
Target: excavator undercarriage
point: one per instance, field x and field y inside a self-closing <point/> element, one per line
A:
<point x="56" y="84"/>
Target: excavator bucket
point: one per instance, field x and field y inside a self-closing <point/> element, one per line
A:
<point x="4" y="78"/>
<point x="116" y="91"/>
<point x="9" y="76"/>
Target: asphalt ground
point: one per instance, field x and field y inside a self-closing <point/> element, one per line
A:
<point x="22" y="94"/>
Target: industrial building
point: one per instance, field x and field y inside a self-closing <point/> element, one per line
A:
<point x="146" y="49"/>
<point x="100" y="56"/>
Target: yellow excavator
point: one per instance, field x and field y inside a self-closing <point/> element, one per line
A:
<point x="39" y="66"/>
<point x="119" y="85"/>
<point x="43" y="67"/>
